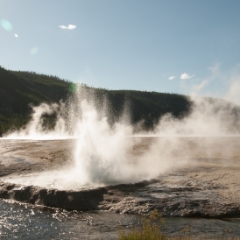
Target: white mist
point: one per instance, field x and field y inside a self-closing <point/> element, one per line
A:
<point x="102" y="152"/>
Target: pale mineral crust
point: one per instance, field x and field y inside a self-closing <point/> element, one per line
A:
<point x="207" y="186"/>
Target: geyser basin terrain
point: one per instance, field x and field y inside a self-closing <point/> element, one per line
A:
<point x="206" y="186"/>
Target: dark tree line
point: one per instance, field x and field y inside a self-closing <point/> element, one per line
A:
<point x="19" y="89"/>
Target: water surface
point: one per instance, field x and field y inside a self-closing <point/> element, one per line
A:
<point x="23" y="221"/>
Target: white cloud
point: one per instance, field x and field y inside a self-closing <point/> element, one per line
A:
<point x="69" y="27"/>
<point x="186" y="76"/>
<point x="15" y="35"/>
<point x="171" y="78"/>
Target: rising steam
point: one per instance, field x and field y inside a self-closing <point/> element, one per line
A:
<point x="103" y="151"/>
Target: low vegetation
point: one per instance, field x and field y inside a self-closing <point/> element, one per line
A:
<point x="151" y="229"/>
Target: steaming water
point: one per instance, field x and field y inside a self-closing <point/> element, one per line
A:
<point x="101" y="150"/>
<point x="101" y="157"/>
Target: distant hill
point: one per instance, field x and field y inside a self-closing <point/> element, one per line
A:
<point x="147" y="106"/>
<point x="19" y="89"/>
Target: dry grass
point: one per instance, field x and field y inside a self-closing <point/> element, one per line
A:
<point x="150" y="229"/>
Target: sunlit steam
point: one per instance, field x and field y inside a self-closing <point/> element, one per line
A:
<point x="103" y="152"/>
<point x="35" y="128"/>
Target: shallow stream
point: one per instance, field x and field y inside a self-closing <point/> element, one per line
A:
<point x="23" y="221"/>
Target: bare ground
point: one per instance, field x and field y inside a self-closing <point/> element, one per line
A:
<point x="206" y="185"/>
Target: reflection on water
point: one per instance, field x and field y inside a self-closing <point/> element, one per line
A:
<point x="29" y="222"/>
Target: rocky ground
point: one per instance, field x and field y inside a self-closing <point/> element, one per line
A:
<point x="19" y="157"/>
<point x="206" y="185"/>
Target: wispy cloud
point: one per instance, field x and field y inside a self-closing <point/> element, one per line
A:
<point x="15" y="35"/>
<point x="233" y="79"/>
<point x="171" y="78"/>
<point x="197" y="88"/>
<point x="186" y="76"/>
<point x="69" y="27"/>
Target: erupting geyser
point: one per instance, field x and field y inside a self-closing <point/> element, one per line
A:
<point x="102" y="152"/>
<point x="100" y="149"/>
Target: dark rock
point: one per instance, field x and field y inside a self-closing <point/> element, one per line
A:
<point x="70" y="200"/>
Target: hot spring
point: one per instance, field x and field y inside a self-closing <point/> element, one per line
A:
<point x="87" y="161"/>
<point x="101" y="152"/>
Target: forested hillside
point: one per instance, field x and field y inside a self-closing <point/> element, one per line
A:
<point x="19" y="89"/>
<point x="147" y="106"/>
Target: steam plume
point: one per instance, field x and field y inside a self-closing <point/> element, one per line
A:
<point x="103" y="151"/>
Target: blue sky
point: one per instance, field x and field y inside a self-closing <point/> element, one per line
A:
<point x="176" y="46"/>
